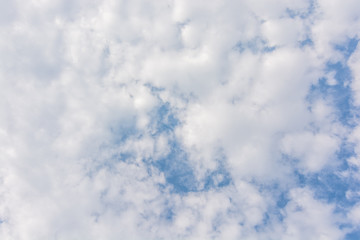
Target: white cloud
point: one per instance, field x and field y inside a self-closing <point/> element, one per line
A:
<point x="294" y="32"/>
<point x="354" y="62"/>
<point x="313" y="151"/>
<point x="354" y="215"/>
<point x="83" y="137"/>
<point x="335" y="22"/>
<point x="307" y="218"/>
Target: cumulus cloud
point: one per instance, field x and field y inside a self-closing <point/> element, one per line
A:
<point x="179" y="119"/>
<point x="353" y="62"/>
<point x="313" y="150"/>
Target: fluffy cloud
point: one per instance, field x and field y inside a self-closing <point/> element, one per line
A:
<point x="353" y="62"/>
<point x="178" y="119"/>
<point x="314" y="151"/>
<point x="308" y="218"/>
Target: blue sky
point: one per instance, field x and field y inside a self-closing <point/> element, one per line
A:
<point x="180" y="119"/>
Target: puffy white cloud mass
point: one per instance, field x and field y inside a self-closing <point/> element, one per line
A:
<point x="179" y="119"/>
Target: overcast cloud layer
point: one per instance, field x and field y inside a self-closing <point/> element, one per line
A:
<point x="179" y="119"/>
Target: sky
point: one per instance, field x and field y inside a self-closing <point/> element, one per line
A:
<point x="179" y="119"/>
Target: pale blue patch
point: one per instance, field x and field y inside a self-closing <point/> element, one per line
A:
<point x="330" y="187"/>
<point x="217" y="179"/>
<point x="339" y="95"/>
<point x="306" y="42"/>
<point x="349" y="48"/>
<point x="265" y="222"/>
<point x="120" y="133"/>
<point x="355" y="235"/>
<point x="280" y="194"/>
<point x="105" y="65"/>
<point x="255" y="46"/>
<point x="294" y="14"/>
<point x="168" y="214"/>
<point x="179" y="173"/>
<point x="175" y="166"/>
<point x="328" y="184"/>
<point x="163" y="118"/>
<point x="282" y="200"/>
<point x="177" y="170"/>
<point x="167" y="121"/>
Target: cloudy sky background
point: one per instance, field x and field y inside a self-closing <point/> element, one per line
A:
<point x="179" y="119"/>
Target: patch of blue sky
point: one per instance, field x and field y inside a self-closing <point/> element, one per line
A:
<point x="329" y="184"/>
<point x="175" y="166"/>
<point x="256" y="45"/>
<point x="354" y="235"/>
<point x="345" y="152"/>
<point x="259" y="45"/>
<point x="280" y="195"/>
<point x="153" y="88"/>
<point x="331" y="187"/>
<point x="306" y="42"/>
<point x="168" y="214"/>
<point x="119" y="133"/>
<point x="123" y="130"/>
<point x="348" y="48"/>
<point x="163" y="119"/>
<point x="302" y="14"/>
<point x="177" y="170"/>
<point x="282" y="199"/>
<point x="217" y="179"/>
<point x="167" y="119"/>
<point x="341" y="92"/>
<point x="93" y="167"/>
<point x="179" y="173"/>
<point x="339" y="95"/>
<point x="267" y="219"/>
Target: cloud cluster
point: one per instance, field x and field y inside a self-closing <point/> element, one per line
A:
<point x="179" y="119"/>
